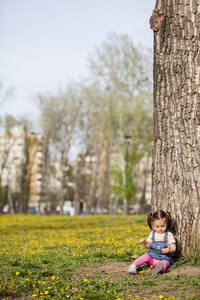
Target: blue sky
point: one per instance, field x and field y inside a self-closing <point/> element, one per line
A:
<point x="46" y="43"/>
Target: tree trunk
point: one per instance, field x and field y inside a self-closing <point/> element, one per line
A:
<point x="63" y="184"/>
<point x="110" y="149"/>
<point x="10" y="201"/>
<point x="62" y="197"/>
<point x="45" y="170"/>
<point x="175" y="165"/>
<point x="77" y="192"/>
<point x="125" y="210"/>
<point x="92" y="190"/>
<point x="101" y="179"/>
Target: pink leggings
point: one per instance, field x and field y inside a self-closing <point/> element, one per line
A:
<point x="150" y="261"/>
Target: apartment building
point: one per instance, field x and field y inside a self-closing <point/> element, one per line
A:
<point x="17" y="152"/>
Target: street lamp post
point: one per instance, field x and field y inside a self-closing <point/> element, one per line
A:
<point x="125" y="201"/>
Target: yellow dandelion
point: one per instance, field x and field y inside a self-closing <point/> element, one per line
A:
<point x="46" y="292"/>
<point x="34" y="295"/>
<point x="161" y="297"/>
<point x="17" y="273"/>
<point x="85" y="280"/>
<point x="53" y="277"/>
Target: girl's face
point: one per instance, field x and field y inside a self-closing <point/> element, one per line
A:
<point x="160" y="226"/>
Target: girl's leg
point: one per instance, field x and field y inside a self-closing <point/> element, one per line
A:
<point x="138" y="262"/>
<point x="160" y="267"/>
<point x="166" y="265"/>
<point x="150" y="261"/>
<point x="142" y="260"/>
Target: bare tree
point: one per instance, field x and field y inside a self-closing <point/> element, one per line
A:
<point x="176" y="163"/>
<point x="5" y="94"/>
<point x="61" y="115"/>
<point x="7" y="159"/>
<point x="28" y="165"/>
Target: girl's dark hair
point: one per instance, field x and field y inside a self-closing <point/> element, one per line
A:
<point x="158" y="215"/>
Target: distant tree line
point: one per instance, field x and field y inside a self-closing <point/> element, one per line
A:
<point x="105" y="122"/>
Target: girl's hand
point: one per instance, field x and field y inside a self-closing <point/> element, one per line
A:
<point x="166" y="250"/>
<point x="171" y="249"/>
<point x="143" y="241"/>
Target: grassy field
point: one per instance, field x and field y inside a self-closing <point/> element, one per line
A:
<point x="58" y="257"/>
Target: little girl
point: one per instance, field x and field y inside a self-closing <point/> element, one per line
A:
<point x="160" y="243"/>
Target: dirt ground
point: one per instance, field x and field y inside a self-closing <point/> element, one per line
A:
<point x="116" y="268"/>
<point x="181" y="282"/>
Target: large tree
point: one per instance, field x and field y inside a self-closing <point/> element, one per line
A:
<point x="176" y="150"/>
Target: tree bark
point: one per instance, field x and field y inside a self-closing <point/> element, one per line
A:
<point x="176" y="165"/>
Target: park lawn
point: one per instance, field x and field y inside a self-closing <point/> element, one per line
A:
<point x="87" y="257"/>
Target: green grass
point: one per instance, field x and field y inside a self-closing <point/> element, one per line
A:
<point x="57" y="257"/>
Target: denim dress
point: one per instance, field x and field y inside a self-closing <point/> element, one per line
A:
<point x="155" y="249"/>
